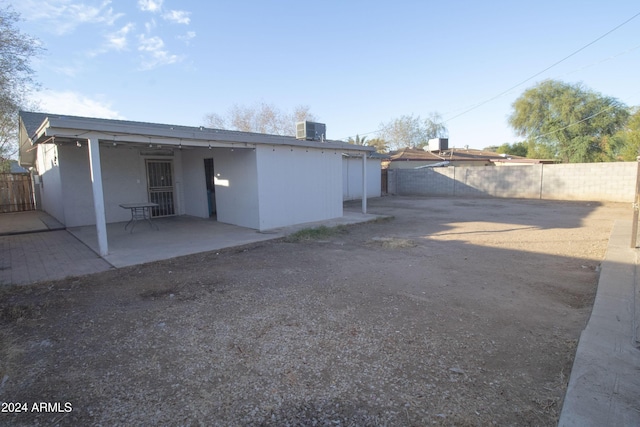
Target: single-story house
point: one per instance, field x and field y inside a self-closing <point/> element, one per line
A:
<point x="411" y="158"/>
<point x="85" y="168"/>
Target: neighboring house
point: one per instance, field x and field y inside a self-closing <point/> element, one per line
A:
<point x="509" y="160"/>
<point x="85" y="168"/>
<point x="472" y="157"/>
<point x="16" y="168"/>
<point x="12" y="166"/>
<point x="411" y="158"/>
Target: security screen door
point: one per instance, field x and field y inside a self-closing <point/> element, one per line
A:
<point x="160" y="187"/>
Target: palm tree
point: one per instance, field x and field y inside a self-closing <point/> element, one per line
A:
<point x="358" y="140"/>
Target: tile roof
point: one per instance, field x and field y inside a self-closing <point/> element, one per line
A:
<point x="414" y="154"/>
<point x="453" y="154"/>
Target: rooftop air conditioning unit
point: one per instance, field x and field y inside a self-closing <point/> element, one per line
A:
<point x="311" y="131"/>
<point x="439" y="144"/>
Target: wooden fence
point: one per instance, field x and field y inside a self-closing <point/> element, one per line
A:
<point x="16" y="193"/>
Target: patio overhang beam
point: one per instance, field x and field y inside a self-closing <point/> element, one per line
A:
<point x="71" y="136"/>
<point x="78" y="126"/>
<point x="141" y="140"/>
<point x="154" y="133"/>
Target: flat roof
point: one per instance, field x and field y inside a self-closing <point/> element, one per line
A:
<point x="42" y="127"/>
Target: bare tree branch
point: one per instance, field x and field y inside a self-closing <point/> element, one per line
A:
<point x="260" y="118"/>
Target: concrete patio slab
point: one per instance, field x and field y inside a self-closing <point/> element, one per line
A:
<point x="185" y="235"/>
<point x="35" y="247"/>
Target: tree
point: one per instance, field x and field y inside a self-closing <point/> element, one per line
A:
<point x="379" y="144"/>
<point x="358" y="140"/>
<point x="16" y="77"/>
<point x="625" y="144"/>
<point x="567" y="121"/>
<point x="434" y="126"/>
<point x="260" y="118"/>
<point x="517" y="149"/>
<point x="412" y="131"/>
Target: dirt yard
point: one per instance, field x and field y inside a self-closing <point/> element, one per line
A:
<point x="455" y="312"/>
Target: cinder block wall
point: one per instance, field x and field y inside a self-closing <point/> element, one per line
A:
<point x="614" y="182"/>
<point x="579" y="181"/>
<point x="425" y="181"/>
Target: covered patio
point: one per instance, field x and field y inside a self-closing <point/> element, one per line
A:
<point x="86" y="170"/>
<point x="186" y="235"/>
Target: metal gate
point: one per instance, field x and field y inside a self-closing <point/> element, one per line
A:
<point x="384" y="181"/>
<point x="160" y="187"/>
<point x="16" y="192"/>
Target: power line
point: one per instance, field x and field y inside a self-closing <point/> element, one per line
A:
<point x="580" y="121"/>
<point x="601" y="61"/>
<point x="546" y="69"/>
<point x="575" y="123"/>
<point x="529" y="78"/>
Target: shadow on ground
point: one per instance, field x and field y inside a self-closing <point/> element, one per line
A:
<point x="454" y="312"/>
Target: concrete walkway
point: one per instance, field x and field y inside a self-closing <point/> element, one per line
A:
<point x="43" y="256"/>
<point x="27" y="222"/>
<point x="34" y="247"/>
<point x="604" y="387"/>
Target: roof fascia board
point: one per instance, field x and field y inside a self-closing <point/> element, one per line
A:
<point x="78" y="128"/>
<point x="71" y="134"/>
<point x="40" y="132"/>
<point x="26" y="157"/>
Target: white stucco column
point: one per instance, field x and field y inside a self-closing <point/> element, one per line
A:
<point x="98" y="194"/>
<point x="364" y="183"/>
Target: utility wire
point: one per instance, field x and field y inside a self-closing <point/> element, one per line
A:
<point x="546" y="69"/>
<point x="580" y="121"/>
<point x="601" y="61"/>
<point x="533" y="76"/>
<point x="575" y="123"/>
<point x="584" y="67"/>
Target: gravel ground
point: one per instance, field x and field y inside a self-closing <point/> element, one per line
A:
<point x="455" y="312"/>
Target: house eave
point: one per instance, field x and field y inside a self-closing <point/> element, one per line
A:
<point x="71" y="128"/>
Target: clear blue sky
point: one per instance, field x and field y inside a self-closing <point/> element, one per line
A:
<point x="356" y="64"/>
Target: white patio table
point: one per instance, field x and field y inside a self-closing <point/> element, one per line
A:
<point x="139" y="211"/>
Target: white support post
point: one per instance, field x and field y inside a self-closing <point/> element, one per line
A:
<point x="364" y="183"/>
<point x="98" y="194"/>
